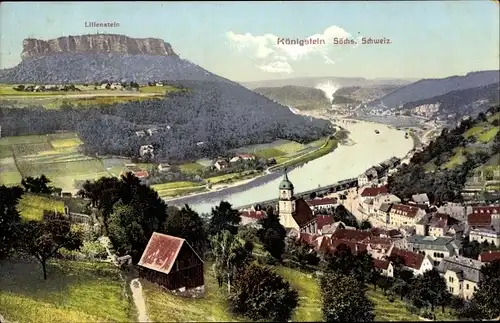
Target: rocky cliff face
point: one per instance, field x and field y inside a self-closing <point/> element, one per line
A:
<point x="99" y="43"/>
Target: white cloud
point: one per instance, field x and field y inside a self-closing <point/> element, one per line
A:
<point x="277" y="67"/>
<point x="274" y="57"/>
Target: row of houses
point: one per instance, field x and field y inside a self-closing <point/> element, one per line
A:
<point x="417" y="254"/>
<point x="223" y="163"/>
<point x="480" y="223"/>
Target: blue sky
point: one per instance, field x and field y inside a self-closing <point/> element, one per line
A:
<point x="237" y="40"/>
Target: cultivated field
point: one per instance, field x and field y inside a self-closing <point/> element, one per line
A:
<point x="56" y="155"/>
<point x="164" y="307"/>
<point x="73" y="292"/>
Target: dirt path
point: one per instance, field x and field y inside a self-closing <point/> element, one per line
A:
<point x="140" y="304"/>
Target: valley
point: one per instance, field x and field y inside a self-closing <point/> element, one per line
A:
<point x="190" y="163"/>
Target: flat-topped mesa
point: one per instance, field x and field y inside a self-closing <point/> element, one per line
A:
<point x="97" y="43"/>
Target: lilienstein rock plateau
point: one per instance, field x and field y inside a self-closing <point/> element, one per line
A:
<point x="100" y="43"/>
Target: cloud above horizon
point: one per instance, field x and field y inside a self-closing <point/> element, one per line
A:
<point x="274" y="57"/>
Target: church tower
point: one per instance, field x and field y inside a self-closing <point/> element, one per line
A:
<point x="286" y="201"/>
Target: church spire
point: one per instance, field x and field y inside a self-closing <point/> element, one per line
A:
<point x="285" y="183"/>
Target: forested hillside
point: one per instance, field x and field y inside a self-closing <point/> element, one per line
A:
<point x="443" y="167"/>
<point x="299" y="97"/>
<point x="462" y="102"/>
<point x="429" y="88"/>
<point x="206" y="120"/>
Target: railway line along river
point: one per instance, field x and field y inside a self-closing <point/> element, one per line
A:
<point x="346" y="161"/>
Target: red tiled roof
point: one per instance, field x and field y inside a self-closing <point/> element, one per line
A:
<point x="378" y="241"/>
<point x="410" y="259"/>
<point x="246" y="156"/>
<point x="479" y="219"/>
<point x="308" y="238"/>
<point x="489" y="256"/>
<point x="381" y="264"/>
<point x="325" y="201"/>
<point x="161" y="252"/>
<point x="355" y="235"/>
<point x="141" y="174"/>
<point x="374" y="191"/>
<point x="377" y="231"/>
<point x="393" y="233"/>
<point x="253" y="214"/>
<point x="303" y="214"/>
<point x="323" y="220"/>
<point x="354" y="246"/>
<point x="404" y="210"/>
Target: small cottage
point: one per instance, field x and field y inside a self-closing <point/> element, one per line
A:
<point x="171" y="263"/>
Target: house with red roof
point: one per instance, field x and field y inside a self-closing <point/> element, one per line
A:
<point x="322" y="221"/>
<point x="172" y="263"/>
<point x="489" y="256"/>
<point x="384" y="267"/>
<point x="484" y="216"/>
<point x="135" y="170"/>
<point x="371" y="192"/>
<point x="402" y="215"/>
<point x="352" y="235"/>
<point x="416" y="262"/>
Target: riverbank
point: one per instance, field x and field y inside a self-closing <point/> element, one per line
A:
<point x="327" y="147"/>
<point x="346" y="161"/>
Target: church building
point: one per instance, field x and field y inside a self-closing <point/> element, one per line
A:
<point x="294" y="212"/>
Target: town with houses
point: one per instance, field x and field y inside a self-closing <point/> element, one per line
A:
<point x="422" y="235"/>
<point x="146" y="180"/>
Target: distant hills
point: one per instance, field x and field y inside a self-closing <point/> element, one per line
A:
<point x="429" y="88"/>
<point x="299" y="97"/>
<point x="314" y="81"/>
<point x="366" y="93"/>
<point x="462" y="102"/>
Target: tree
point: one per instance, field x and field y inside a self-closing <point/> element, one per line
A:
<point x="43" y="239"/>
<point x="364" y="270"/>
<point x="229" y="257"/>
<point x="341" y="261"/>
<point x="344" y="299"/>
<point x="272" y="234"/>
<point x="130" y="211"/>
<point x="261" y="294"/>
<point x="10" y="219"/>
<point x="188" y="225"/>
<point x="37" y="184"/>
<point x="485" y="303"/>
<point x="341" y="214"/>
<point x="429" y="289"/>
<point x="224" y="217"/>
<point x="301" y="253"/>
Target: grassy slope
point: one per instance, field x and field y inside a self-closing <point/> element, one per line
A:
<point x="73" y="292"/>
<point x="31" y="206"/>
<point x="165" y="307"/>
<point x="483" y="133"/>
